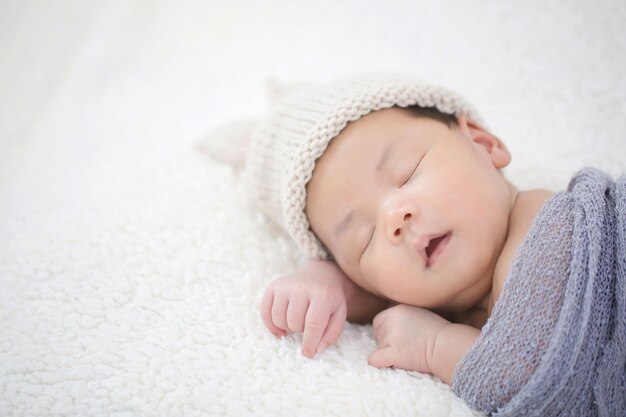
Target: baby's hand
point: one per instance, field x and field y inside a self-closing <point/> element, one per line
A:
<point x="311" y="300"/>
<point x="406" y="338"/>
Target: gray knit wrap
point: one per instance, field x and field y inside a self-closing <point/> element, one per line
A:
<point x="283" y="149"/>
<point x="555" y="344"/>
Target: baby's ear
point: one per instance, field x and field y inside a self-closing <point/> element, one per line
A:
<point x="479" y="136"/>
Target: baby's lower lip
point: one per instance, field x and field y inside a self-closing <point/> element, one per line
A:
<point x="440" y="248"/>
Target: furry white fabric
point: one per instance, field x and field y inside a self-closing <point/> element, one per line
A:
<point x="130" y="268"/>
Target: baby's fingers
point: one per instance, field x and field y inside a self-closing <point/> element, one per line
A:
<point x="334" y="328"/>
<point x="296" y="312"/>
<point x="314" y="326"/>
<point x="266" y="314"/>
<point x="383" y="357"/>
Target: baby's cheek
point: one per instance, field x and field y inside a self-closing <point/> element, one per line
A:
<point x="387" y="277"/>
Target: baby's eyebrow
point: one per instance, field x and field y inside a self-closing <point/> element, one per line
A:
<point x="343" y="225"/>
<point x="384" y="157"/>
<point x="346" y="222"/>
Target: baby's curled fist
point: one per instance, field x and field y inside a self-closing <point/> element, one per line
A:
<point x="406" y="337"/>
<point x="311" y="300"/>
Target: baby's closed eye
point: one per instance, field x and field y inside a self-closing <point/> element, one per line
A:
<point x="412" y="174"/>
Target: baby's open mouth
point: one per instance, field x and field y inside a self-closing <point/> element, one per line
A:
<point x="433" y="245"/>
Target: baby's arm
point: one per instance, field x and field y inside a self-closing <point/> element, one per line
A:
<point x="363" y="306"/>
<point x="316" y="300"/>
<point x="452" y="343"/>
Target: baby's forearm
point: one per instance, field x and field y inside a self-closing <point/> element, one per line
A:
<point x="453" y="341"/>
<point x="362" y="305"/>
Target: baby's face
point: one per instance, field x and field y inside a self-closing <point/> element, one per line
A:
<point x="412" y="210"/>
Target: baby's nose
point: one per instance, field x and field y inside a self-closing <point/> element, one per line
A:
<point x="398" y="224"/>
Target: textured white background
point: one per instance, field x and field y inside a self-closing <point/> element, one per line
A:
<point x="130" y="267"/>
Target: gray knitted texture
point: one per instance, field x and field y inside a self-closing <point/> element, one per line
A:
<point x="283" y="150"/>
<point x="555" y="344"/>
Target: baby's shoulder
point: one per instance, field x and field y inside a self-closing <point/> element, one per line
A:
<point x="527" y="206"/>
<point x="523" y="214"/>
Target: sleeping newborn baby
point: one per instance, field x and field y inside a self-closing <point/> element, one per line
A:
<point x="413" y="209"/>
<point x="393" y="189"/>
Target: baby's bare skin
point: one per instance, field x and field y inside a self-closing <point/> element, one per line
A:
<point x="415" y="213"/>
<point x="526" y="209"/>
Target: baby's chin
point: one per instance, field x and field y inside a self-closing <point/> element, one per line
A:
<point x="445" y="299"/>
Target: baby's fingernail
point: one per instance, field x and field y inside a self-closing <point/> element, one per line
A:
<point x="307" y="353"/>
<point x="322" y="347"/>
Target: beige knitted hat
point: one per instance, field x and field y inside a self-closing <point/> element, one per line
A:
<point x="283" y="149"/>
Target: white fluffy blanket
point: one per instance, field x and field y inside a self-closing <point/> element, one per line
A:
<point x="130" y="267"/>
